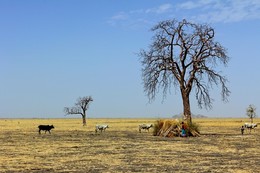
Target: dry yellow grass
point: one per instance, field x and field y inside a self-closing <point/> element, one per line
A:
<point x="74" y="148"/>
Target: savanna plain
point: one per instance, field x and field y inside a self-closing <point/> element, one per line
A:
<point x="121" y="148"/>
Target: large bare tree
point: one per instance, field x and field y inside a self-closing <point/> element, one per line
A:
<point x="184" y="55"/>
<point x="81" y="107"/>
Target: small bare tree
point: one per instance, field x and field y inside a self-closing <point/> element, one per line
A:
<point x="251" y="112"/>
<point x="185" y="55"/>
<point x="81" y="107"/>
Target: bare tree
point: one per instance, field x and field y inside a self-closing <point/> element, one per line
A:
<point x="251" y="112"/>
<point x="81" y="107"/>
<point x="184" y="55"/>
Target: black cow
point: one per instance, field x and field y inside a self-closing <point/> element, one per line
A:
<point x="45" y="128"/>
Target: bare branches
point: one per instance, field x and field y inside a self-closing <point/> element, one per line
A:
<point x="157" y="72"/>
<point x="184" y="54"/>
<point x="72" y="110"/>
<point x="83" y="102"/>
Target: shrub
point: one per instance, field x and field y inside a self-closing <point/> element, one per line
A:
<point x="193" y="128"/>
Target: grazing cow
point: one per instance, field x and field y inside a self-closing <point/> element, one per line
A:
<point x="101" y="128"/>
<point x="145" y="127"/>
<point x="45" y="128"/>
<point x="250" y="126"/>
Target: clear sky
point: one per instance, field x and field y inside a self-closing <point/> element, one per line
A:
<point x="54" y="51"/>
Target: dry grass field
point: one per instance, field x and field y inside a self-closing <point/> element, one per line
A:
<point x="74" y="148"/>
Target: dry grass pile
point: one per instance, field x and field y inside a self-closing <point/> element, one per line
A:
<point x="172" y="128"/>
<point x="167" y="128"/>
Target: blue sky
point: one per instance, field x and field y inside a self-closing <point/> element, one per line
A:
<point x="54" y="51"/>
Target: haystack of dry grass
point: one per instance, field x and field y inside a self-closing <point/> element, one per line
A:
<point x="172" y="128"/>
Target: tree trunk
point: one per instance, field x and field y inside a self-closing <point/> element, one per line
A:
<point x="84" y="120"/>
<point x="186" y="106"/>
